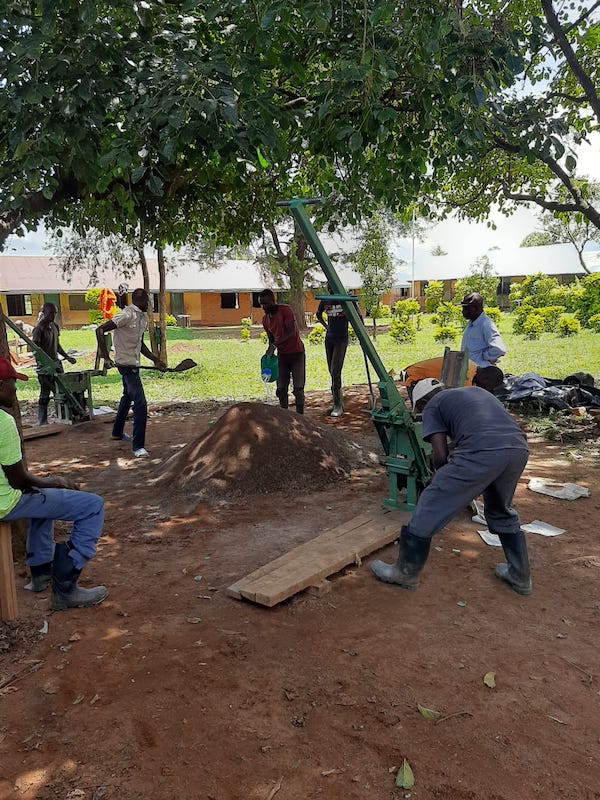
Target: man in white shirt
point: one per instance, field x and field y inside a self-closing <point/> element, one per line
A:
<point x="129" y="326"/>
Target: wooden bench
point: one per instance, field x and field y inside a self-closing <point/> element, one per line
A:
<point x="8" y="589"/>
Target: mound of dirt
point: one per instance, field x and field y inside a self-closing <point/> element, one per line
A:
<point x="256" y="448"/>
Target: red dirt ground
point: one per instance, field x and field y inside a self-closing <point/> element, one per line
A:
<point x="172" y="690"/>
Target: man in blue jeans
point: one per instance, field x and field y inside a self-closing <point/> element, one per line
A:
<point x="41" y="501"/>
<point x="129" y="326"/>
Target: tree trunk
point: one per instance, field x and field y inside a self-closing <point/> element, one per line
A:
<point x="584" y="266"/>
<point x="297" y="268"/>
<point x="162" y="304"/>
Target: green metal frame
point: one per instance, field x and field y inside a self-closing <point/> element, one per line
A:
<point x="406" y="454"/>
<point x="73" y="390"/>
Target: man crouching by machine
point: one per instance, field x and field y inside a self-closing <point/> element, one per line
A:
<point x="489" y="456"/>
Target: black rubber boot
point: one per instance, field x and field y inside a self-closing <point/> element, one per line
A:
<point x="516" y="571"/>
<point x="338" y="405"/>
<point x="41" y="575"/>
<point x="65" y="592"/>
<point x="412" y="555"/>
<point x="299" y="395"/>
<point x="42" y="413"/>
<point x="283" y="398"/>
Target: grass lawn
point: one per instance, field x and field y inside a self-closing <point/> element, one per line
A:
<point x="230" y="369"/>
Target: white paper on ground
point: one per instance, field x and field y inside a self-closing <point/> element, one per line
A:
<point x="543" y="528"/>
<point x="564" y="491"/>
<point x="103" y="410"/>
<point x="490" y="538"/>
<point x="477" y="508"/>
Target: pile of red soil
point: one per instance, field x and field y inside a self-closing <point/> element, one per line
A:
<point x="256" y="448"/>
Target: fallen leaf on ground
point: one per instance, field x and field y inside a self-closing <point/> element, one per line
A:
<point x="490" y="679"/>
<point x="428" y="713"/>
<point x="404" y="777"/>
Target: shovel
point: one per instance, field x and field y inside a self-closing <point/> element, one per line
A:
<point x="187" y="363"/>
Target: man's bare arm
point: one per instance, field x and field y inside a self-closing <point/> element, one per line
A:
<point x="19" y="478"/>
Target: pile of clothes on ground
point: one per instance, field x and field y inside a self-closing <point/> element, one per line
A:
<point x="574" y="391"/>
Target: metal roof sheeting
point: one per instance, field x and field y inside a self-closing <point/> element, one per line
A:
<point x="26" y="274"/>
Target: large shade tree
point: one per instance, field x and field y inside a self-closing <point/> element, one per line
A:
<point x="182" y="114"/>
<point x="194" y="116"/>
<point x="522" y="145"/>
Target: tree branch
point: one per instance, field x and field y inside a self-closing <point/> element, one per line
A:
<point x="276" y="243"/>
<point x="540" y="200"/>
<point x="572" y="60"/>
<point x="582" y="18"/>
<point x="581" y="99"/>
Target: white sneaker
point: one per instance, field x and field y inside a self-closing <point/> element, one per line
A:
<point x="141" y="452"/>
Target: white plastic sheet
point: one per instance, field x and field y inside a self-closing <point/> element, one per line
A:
<point x="563" y="491"/>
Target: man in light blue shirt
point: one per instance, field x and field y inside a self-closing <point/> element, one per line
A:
<point x="483" y="341"/>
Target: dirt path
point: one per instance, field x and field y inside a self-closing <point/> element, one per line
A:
<point x="172" y="690"/>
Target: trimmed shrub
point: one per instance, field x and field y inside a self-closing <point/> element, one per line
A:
<point x="245" y="334"/>
<point x="434" y="293"/>
<point x="548" y="314"/>
<point x="263" y="337"/>
<point x="402" y="330"/>
<point x="317" y="335"/>
<point x="352" y="337"/>
<point x="551" y="316"/>
<point x="594" y="323"/>
<point x="445" y="333"/>
<point x="92" y="298"/>
<point x="95" y="316"/>
<point x="170" y="321"/>
<point x="447" y="313"/>
<point x="246" y="322"/>
<point x="406" y="308"/>
<point x="588" y="304"/>
<point x="533" y="326"/>
<point x="568" y="326"/>
<point x="520" y="315"/>
<point x="380" y="311"/>
<point x="493" y="313"/>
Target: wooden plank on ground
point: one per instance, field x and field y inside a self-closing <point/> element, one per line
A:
<point x="310" y="563"/>
<point x="233" y="590"/>
<point x="42" y="430"/>
<point x="8" y="589"/>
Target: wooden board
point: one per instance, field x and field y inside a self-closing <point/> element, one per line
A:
<point x="8" y="590"/>
<point x="43" y="430"/>
<point x="310" y="563"/>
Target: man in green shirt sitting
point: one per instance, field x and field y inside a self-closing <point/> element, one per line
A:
<point x="41" y="501"/>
